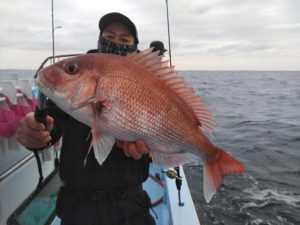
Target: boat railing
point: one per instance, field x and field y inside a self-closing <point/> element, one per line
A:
<point x="52" y="59"/>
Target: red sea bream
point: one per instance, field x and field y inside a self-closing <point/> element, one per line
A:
<point x="137" y="97"/>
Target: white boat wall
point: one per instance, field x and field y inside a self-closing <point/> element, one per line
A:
<point x="17" y="183"/>
<point x="18" y="168"/>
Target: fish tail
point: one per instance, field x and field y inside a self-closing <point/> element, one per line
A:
<point x="215" y="169"/>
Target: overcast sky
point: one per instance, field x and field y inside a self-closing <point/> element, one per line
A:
<point x="205" y="34"/>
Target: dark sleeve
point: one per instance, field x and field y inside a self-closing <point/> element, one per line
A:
<point x="60" y="119"/>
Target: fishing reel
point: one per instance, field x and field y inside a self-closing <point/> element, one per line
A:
<point x="175" y="174"/>
<point x="172" y="174"/>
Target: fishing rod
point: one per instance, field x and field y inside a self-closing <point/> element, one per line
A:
<point x="178" y="179"/>
<point x="169" y="38"/>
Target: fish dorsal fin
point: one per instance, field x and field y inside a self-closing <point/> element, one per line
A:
<point x="143" y="56"/>
<point x="152" y="62"/>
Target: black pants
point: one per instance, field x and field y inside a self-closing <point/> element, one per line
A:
<point x="73" y="208"/>
<point x="142" y="218"/>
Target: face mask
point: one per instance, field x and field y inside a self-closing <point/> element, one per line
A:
<point x="109" y="47"/>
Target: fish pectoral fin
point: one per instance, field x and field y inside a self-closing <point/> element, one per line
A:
<point x="172" y="159"/>
<point x="102" y="147"/>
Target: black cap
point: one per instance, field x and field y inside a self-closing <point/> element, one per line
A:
<point x="158" y="46"/>
<point x="116" y="17"/>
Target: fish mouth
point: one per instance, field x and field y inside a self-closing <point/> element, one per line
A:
<point x="43" y="81"/>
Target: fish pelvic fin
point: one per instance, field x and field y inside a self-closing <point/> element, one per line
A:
<point x="215" y="169"/>
<point x="102" y="144"/>
<point x="153" y="63"/>
<point x="102" y="147"/>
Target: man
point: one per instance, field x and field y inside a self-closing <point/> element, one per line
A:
<point x="158" y="46"/>
<point x="94" y="194"/>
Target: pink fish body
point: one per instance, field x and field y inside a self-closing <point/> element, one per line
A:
<point x="138" y="98"/>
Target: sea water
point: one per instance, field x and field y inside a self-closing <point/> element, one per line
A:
<point x="258" y="122"/>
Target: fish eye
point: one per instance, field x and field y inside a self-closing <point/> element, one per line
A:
<point x="72" y="68"/>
